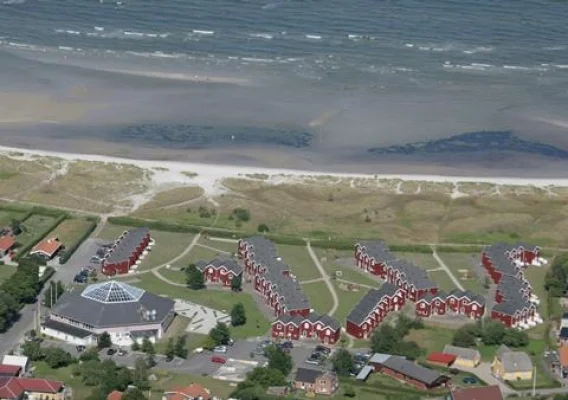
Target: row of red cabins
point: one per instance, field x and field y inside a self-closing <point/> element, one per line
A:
<point x="125" y="251"/>
<point x="220" y="270"/>
<point x="273" y="280"/>
<point x="504" y="263"/>
<point x="403" y="281"/>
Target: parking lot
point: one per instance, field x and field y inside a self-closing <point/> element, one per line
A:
<point x="80" y="259"/>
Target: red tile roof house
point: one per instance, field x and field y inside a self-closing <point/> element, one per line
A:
<point x="47" y="248"/>
<point x="194" y="391"/>
<point x="441" y="359"/>
<point x="219" y="270"/>
<point x="408" y="372"/>
<point x="318" y="327"/>
<point x="20" y="388"/>
<point x="126" y="251"/>
<point x="6" y="243"/>
<point x="372" y="309"/>
<point x="478" y="393"/>
<point x="10" y="370"/>
<point x="271" y="277"/>
<point x="515" y="304"/>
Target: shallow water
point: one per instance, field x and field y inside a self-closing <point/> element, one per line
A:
<point x="354" y="75"/>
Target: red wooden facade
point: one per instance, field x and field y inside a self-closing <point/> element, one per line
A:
<point x="325" y="329"/>
<point x="130" y="253"/>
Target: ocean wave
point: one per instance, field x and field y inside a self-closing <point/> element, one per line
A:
<point x="495" y="68"/>
<point x="267" y="36"/>
<point x="554" y="48"/>
<point x="314" y="37"/>
<point x="202" y="32"/>
<point x="13" y="2"/>
<point x="479" y="49"/>
<point x="560" y="66"/>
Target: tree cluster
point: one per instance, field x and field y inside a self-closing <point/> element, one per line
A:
<point x="105" y="376"/>
<point x="241" y="214"/>
<point x="237" y="283"/>
<point x="390" y="340"/>
<point x="105" y="341"/>
<point x="489" y="332"/>
<point x="194" y="277"/>
<point x="55" y="357"/>
<point x="21" y="288"/>
<point x="278" y="359"/>
<point x="176" y="348"/>
<point x="219" y="335"/>
<point x="238" y="315"/>
<point x="257" y="381"/>
<point x="342" y="362"/>
<point x="556" y="281"/>
<point x="52" y="293"/>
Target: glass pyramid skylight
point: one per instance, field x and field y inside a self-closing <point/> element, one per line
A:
<point x="112" y="292"/>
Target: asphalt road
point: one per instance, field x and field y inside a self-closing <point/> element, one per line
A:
<point x="65" y="273"/>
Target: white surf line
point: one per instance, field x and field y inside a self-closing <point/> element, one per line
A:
<point x="325" y="277"/>
<point x="445" y="268"/>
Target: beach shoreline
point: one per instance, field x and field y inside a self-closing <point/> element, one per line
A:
<point x="209" y="175"/>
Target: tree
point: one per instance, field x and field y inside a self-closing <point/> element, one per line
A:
<point x="140" y="375"/>
<point x="92" y="353"/>
<point x="241" y="214"/>
<point x="148" y="346"/>
<point x="515" y="338"/>
<point x="555" y="281"/>
<point x="263" y="228"/>
<point x="33" y="350"/>
<point x="53" y="292"/>
<point x="266" y="377"/>
<point x="16" y="226"/>
<point x="493" y="332"/>
<point x="237" y="283"/>
<point x="194" y="277"/>
<point x="180" y="348"/>
<point x="56" y="357"/>
<point x="170" y="349"/>
<point x="348" y="391"/>
<point x="384" y="339"/>
<point x="133" y="394"/>
<point x="8" y="310"/>
<point x="104" y="341"/>
<point x="342" y="362"/>
<point x="220" y="334"/>
<point x="238" y="315"/>
<point x="135" y="346"/>
<point x="463" y="338"/>
<point x="278" y="360"/>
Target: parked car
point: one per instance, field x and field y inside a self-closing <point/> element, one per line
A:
<point x="314" y="359"/>
<point x="470" y="380"/>
<point x="111" y="351"/>
<point x="326" y="351"/>
<point x="80" y="349"/>
<point x="218" y="360"/>
<point x="122" y="352"/>
<point x="220" y="349"/>
<point x="80" y="279"/>
<point x="231" y="342"/>
<point x="454" y="371"/>
<point x="287" y="345"/>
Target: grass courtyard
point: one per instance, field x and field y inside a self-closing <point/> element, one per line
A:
<point x="421" y="260"/>
<point x="347" y="300"/>
<point x="462" y="266"/>
<point x="6" y="216"/>
<point x="334" y="260"/>
<point x="299" y="261"/>
<point x="443" y="280"/>
<point x="223" y="300"/>
<point x="319" y="296"/>
<point x="168" y="244"/>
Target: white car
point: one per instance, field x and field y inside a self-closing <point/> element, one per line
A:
<point x="220" y="349"/>
<point x="199" y="350"/>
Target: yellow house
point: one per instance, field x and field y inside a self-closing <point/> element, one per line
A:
<point x="512" y="365"/>
<point x="467" y="358"/>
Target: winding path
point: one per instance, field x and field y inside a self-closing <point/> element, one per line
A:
<point x="156" y="271"/>
<point x="325" y="277"/>
<point x="445" y="268"/>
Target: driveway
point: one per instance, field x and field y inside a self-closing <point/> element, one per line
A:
<point x="483" y="371"/>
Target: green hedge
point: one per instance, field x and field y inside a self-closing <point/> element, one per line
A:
<point x="50" y="212"/>
<point x="24" y="249"/>
<point x="158" y="225"/>
<point x="70" y="250"/>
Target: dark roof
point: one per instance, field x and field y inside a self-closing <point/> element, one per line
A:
<point x="478" y="393"/>
<point x="376" y="249"/>
<point x="499" y="259"/>
<point x="217" y="262"/>
<point x="563" y="333"/>
<point x="313" y="318"/>
<point x="126" y="245"/>
<point x="511" y="306"/>
<point x="368" y="303"/>
<point x="415" y="276"/>
<point x="428" y="297"/>
<point x="467" y="294"/>
<point x="307" y="375"/>
<point x="263" y="252"/>
<point x="73" y="305"/>
<point x="65" y="328"/>
<point x="410" y="369"/>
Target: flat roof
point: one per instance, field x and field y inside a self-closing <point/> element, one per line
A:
<point x="364" y="373"/>
<point x="68" y="329"/>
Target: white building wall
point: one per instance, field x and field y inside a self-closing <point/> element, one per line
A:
<point x="88" y="341"/>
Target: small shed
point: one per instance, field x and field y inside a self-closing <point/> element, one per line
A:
<point x="7" y="371"/>
<point x="364" y="373"/>
<point x="442" y="359"/>
<point x="20" y="361"/>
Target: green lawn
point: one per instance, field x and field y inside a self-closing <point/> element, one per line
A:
<point x="201" y="253"/>
<point x="319" y="296"/>
<point x="333" y="261"/>
<point x="6" y="271"/>
<point x="225" y="246"/>
<point x="443" y="280"/>
<point x="222" y="300"/>
<point x="33" y="226"/>
<point x="7" y="216"/>
<point x="458" y="263"/>
<point x="70" y="231"/>
<point x="168" y="244"/>
<point x="422" y="260"/>
<point x="177" y="328"/>
<point x="80" y="391"/>
<point x="347" y="301"/>
<point x="378" y="385"/>
<point x="431" y="339"/>
<point x="299" y="260"/>
<point x="174" y="275"/>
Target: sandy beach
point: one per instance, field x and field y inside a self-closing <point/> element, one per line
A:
<point x="208" y="176"/>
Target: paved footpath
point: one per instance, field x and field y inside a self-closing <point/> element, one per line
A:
<point x="325" y="277"/>
<point x="445" y="268"/>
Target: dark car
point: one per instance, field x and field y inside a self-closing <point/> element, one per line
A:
<point x="469" y="380"/>
<point x="111" y="351"/>
<point x="80" y="279"/>
<point x="80" y="349"/>
<point x="326" y="351"/>
<point x="287" y="345"/>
